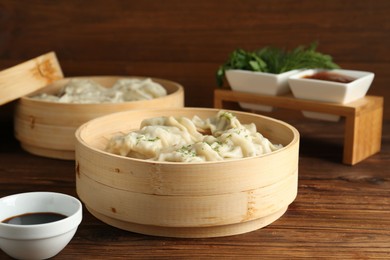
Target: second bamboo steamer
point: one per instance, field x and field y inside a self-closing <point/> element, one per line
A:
<point x="47" y="128"/>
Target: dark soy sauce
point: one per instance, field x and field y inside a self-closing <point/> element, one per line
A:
<point x="331" y="76"/>
<point x="34" y="218"/>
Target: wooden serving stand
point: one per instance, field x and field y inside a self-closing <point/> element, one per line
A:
<point x="363" y="118"/>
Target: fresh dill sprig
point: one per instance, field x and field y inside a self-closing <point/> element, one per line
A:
<point x="307" y="58"/>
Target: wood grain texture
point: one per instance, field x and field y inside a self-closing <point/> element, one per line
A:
<point x="341" y="212"/>
<point x="29" y="76"/>
<point x="190" y="200"/>
<point x="363" y="118"/>
<point x="187" y="41"/>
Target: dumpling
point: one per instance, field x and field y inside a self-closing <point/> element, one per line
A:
<point x="182" y="139"/>
<point x="83" y="91"/>
<point x="148" y="142"/>
<point x="139" y="89"/>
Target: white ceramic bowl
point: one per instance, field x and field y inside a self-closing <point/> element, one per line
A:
<point x="330" y="91"/>
<point x="39" y="241"/>
<point x="259" y="83"/>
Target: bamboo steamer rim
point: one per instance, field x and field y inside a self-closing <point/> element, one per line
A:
<point x="80" y="139"/>
<point x="179" y="90"/>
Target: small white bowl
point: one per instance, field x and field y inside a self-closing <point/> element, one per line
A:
<point x="39" y="241"/>
<point x="330" y="91"/>
<point x="259" y="83"/>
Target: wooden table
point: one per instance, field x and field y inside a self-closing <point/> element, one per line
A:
<point x="341" y="211"/>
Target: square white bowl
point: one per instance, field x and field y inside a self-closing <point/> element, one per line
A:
<point x="259" y="83"/>
<point x="330" y="91"/>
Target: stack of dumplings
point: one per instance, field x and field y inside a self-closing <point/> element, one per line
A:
<point x="86" y="91"/>
<point x="181" y="139"/>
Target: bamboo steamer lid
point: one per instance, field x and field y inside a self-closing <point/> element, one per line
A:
<point x="47" y="128"/>
<point x="29" y="76"/>
<point x="185" y="199"/>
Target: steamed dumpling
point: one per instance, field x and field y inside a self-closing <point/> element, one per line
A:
<point x="139" y="89"/>
<point x="82" y="91"/>
<point x="182" y="140"/>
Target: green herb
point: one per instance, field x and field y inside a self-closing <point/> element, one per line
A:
<point x="227" y="115"/>
<point x="276" y="60"/>
<point x="241" y="59"/>
<point x="215" y="146"/>
<point x="186" y="151"/>
<point x="142" y="138"/>
<point x="309" y="58"/>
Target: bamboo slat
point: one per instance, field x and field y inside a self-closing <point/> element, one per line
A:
<point x="29" y="76"/>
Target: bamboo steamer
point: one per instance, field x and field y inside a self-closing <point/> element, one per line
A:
<point x="47" y="128"/>
<point x="185" y="199"/>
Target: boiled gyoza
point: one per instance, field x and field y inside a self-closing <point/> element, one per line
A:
<point x="182" y="139"/>
<point x="137" y="89"/>
<point x="84" y="91"/>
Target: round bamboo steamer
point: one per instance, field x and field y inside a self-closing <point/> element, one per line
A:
<point x="206" y="199"/>
<point x="47" y="128"/>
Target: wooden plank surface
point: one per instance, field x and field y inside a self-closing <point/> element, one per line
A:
<point x="341" y="212"/>
<point x="186" y="41"/>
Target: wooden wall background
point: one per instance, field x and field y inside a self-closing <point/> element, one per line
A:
<point x="186" y="41"/>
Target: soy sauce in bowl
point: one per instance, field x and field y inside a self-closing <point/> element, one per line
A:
<point x="330" y="76"/>
<point x="35" y="218"/>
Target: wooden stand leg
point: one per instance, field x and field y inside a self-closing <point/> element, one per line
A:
<point x="363" y="133"/>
